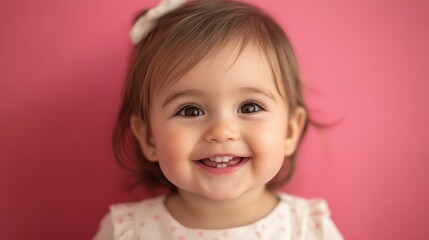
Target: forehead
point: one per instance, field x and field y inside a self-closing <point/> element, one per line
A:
<point x="229" y="60"/>
<point x="228" y="65"/>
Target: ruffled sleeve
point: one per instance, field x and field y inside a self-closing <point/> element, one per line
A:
<point x="105" y="230"/>
<point x="318" y="223"/>
<point x="123" y="220"/>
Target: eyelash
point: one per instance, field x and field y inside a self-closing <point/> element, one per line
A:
<point x="259" y="106"/>
<point x="181" y="112"/>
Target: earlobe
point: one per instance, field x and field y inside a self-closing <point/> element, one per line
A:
<point x="295" y="127"/>
<point x="139" y="130"/>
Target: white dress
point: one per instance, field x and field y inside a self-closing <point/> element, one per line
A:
<point x="293" y="218"/>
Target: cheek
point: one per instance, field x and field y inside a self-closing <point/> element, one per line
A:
<point x="173" y="141"/>
<point x="271" y="130"/>
<point x="268" y="139"/>
<point x="173" y="146"/>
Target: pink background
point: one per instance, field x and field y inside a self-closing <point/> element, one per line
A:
<point x="62" y="64"/>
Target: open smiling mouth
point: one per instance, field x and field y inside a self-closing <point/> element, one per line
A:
<point x="223" y="162"/>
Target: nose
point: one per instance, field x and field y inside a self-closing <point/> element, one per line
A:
<point x="221" y="130"/>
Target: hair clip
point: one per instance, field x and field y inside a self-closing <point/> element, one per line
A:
<point x="147" y="22"/>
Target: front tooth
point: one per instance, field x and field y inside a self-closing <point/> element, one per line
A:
<point x="218" y="159"/>
<point x="223" y="165"/>
<point x="226" y="159"/>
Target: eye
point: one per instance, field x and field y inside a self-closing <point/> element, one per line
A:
<point x="190" y="111"/>
<point x="250" y="107"/>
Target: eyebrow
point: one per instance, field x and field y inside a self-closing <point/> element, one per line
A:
<point x="185" y="93"/>
<point x="255" y="90"/>
<point x="194" y="92"/>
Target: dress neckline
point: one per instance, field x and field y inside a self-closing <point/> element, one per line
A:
<point x="276" y="212"/>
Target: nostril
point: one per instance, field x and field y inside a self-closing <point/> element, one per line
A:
<point x="221" y="135"/>
<point x="221" y="128"/>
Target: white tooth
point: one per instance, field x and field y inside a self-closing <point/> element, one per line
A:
<point x="218" y="165"/>
<point x="225" y="159"/>
<point x="223" y="165"/>
<point x="218" y="159"/>
<point x="211" y="159"/>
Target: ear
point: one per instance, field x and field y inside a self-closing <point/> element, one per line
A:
<point x="295" y="127"/>
<point x="139" y="129"/>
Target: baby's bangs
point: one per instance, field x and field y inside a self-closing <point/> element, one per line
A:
<point x="198" y="29"/>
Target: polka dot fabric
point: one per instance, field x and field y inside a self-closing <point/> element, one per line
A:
<point x="293" y="218"/>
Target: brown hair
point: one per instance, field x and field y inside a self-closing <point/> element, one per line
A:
<point x="189" y="33"/>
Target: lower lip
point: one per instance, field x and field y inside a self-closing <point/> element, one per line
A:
<point x="223" y="170"/>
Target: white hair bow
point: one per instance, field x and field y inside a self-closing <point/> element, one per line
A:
<point x="146" y="22"/>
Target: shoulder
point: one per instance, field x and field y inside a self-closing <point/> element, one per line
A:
<point x="122" y="220"/>
<point x="311" y="206"/>
<point x="105" y="229"/>
<point x="126" y="212"/>
<point x="312" y="217"/>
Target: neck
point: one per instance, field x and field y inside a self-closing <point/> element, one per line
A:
<point x="196" y="211"/>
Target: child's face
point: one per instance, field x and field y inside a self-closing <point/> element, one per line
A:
<point x="221" y="108"/>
